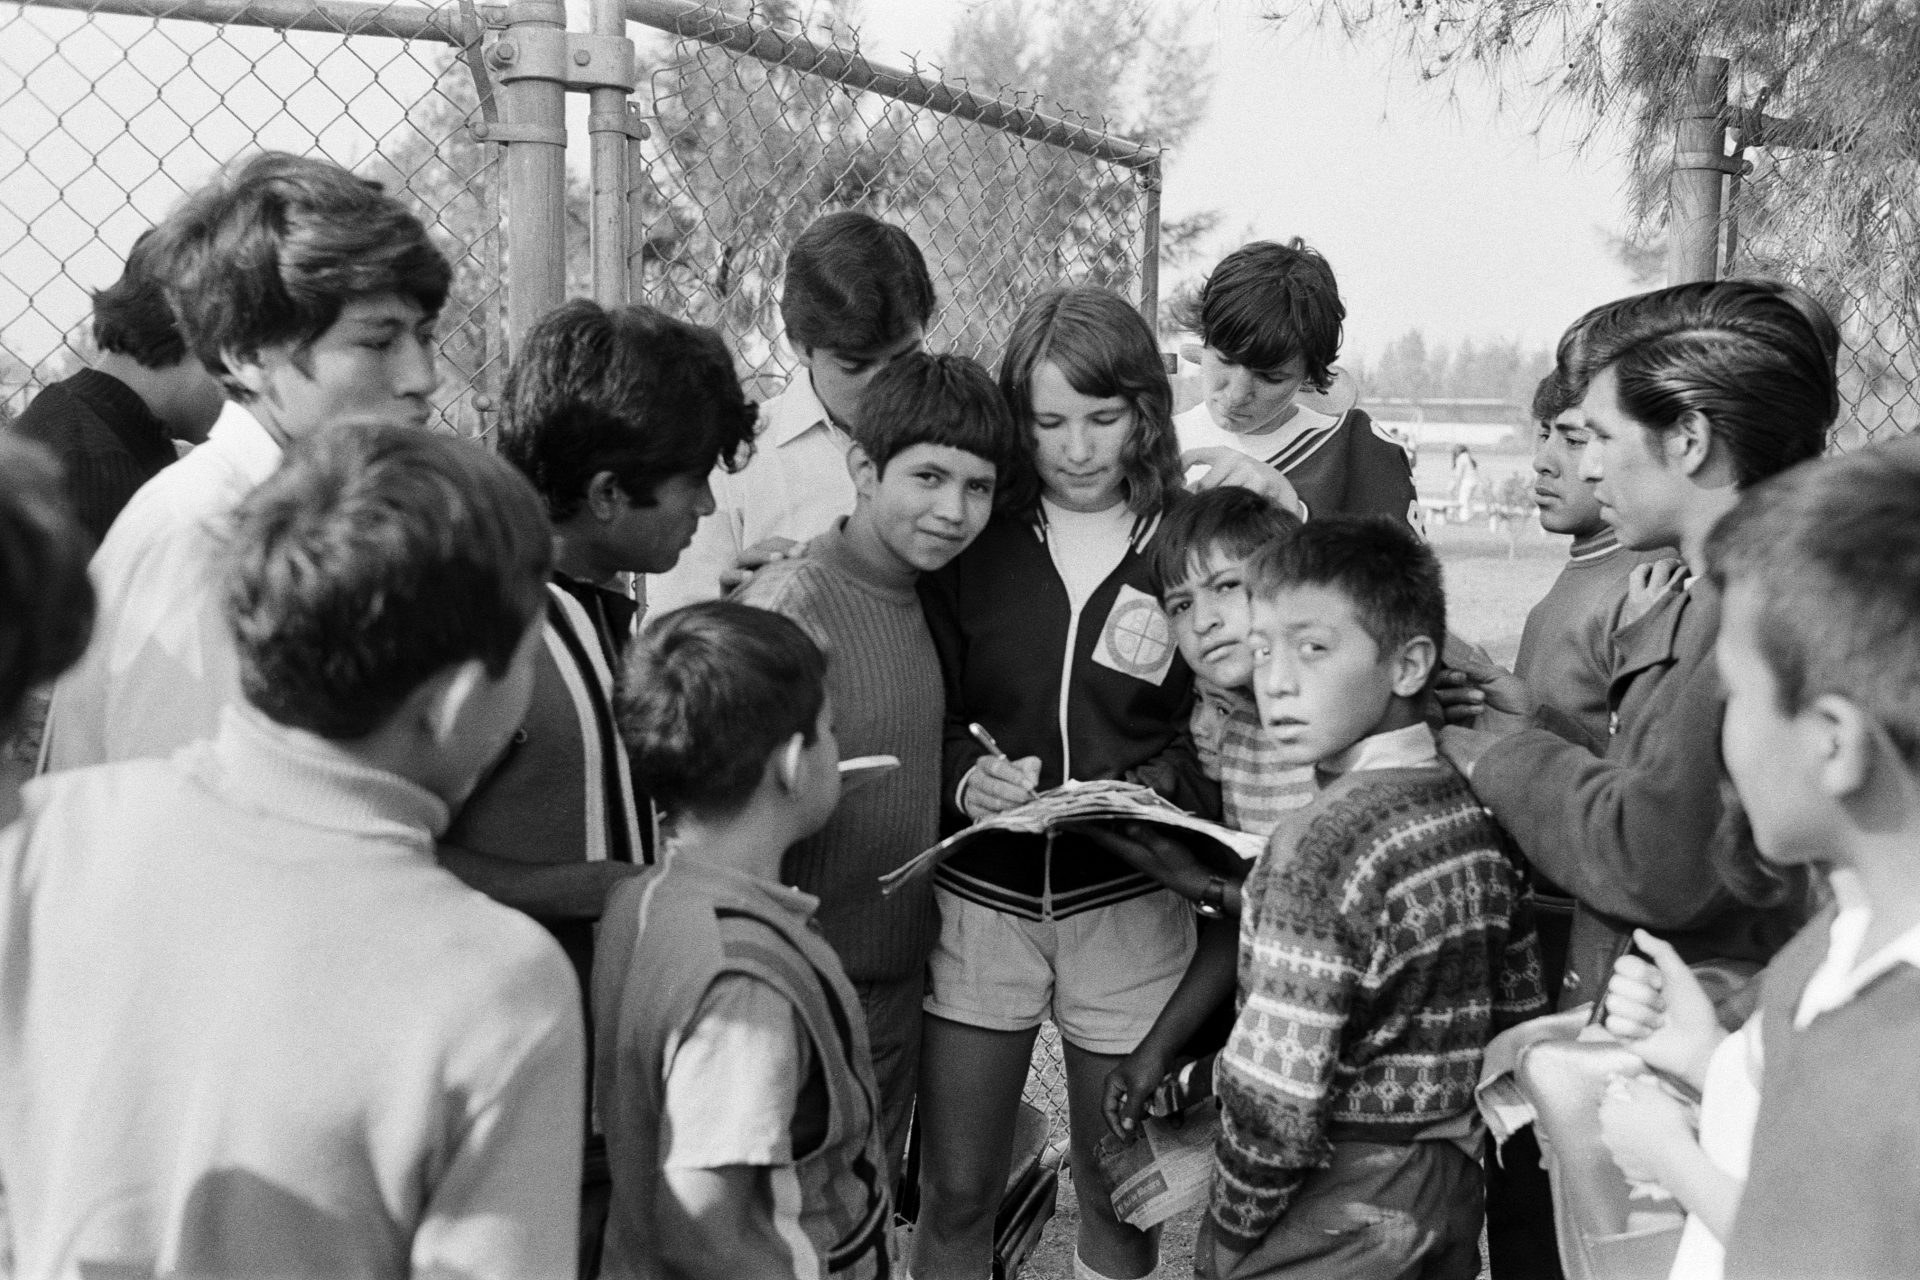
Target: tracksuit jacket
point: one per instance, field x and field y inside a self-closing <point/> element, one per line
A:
<point x="1102" y="693"/>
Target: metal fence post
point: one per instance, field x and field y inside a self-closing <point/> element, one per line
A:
<point x="1699" y="164"/>
<point x="1150" y="245"/>
<point x="610" y="128"/>
<point x="535" y="133"/>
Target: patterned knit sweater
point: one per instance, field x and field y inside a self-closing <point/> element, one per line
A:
<point x="1382" y="944"/>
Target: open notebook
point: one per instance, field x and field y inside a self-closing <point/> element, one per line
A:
<point x="1076" y="802"/>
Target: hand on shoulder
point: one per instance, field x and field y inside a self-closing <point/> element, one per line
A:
<point x="756" y="557"/>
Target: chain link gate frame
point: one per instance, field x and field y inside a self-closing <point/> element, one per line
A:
<point x="1753" y="194"/>
<point x="707" y="153"/>
<point x="111" y="111"/>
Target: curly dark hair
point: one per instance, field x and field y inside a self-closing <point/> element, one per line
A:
<point x="631" y="391"/>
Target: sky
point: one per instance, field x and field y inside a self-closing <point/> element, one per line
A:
<point x="1449" y="216"/>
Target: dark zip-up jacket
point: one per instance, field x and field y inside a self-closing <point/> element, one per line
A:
<point x="1099" y="694"/>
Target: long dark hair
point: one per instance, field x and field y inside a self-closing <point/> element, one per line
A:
<point x="1102" y="346"/>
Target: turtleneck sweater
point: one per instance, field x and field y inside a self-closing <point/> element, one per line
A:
<point x="249" y="1026"/>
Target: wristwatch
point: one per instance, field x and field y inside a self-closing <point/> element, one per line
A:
<point x="1212" y="902"/>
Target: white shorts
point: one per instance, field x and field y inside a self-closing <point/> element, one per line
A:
<point x="1103" y="975"/>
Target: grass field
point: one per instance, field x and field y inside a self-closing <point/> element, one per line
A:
<point x="1492" y="580"/>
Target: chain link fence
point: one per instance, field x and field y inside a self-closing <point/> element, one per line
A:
<point x="107" y="118"/>
<point x="738" y="133"/>
<point x="744" y="151"/>
<point x="1822" y="196"/>
<point x="1802" y="216"/>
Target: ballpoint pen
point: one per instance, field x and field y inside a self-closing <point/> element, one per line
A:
<point x="985" y="739"/>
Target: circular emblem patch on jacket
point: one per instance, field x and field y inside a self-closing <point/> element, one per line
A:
<point x="1136" y="639"/>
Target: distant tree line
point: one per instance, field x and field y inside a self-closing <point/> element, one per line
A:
<point x="1414" y="367"/>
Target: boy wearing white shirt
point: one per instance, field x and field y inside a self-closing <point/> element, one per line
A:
<point x="857" y="297"/>
<point x="1819" y="648"/>
<point x="311" y="295"/>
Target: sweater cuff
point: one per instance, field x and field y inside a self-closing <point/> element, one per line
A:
<point x="1241" y="1222"/>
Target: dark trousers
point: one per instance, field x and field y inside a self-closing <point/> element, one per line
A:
<point x="1379" y="1211"/>
<point x="893" y="1033"/>
<point x="1521" y="1244"/>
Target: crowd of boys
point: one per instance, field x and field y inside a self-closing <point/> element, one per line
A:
<point x="251" y="1025"/>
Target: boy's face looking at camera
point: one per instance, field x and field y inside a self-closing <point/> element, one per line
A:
<point x="926" y="504"/>
<point x="1212" y="613"/>
<point x="1320" y="679"/>
<point x="839" y="377"/>
<point x="1566" y="502"/>
<point x="1246" y="400"/>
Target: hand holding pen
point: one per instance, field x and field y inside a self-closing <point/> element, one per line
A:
<point x="996" y="783"/>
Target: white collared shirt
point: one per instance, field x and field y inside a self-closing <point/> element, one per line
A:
<point x="1408" y="748"/>
<point x="1841" y="976"/>
<point x="161" y="663"/>
<point x="795" y="486"/>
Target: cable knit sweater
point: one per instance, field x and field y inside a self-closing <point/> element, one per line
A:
<point x="1381" y="947"/>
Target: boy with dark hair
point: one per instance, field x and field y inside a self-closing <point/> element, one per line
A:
<point x="114" y="423"/>
<point x="248" y="1026"/>
<point x="1380" y="941"/>
<point x="1270" y="317"/>
<point x="857" y="297"/>
<point x="1200" y="560"/>
<point x="1568" y="657"/>
<point x="732" y="1071"/>
<point x="1201" y="557"/>
<point x="930" y="440"/>
<point x="1567" y="652"/>
<point x="311" y="296"/>
<point x="1819" y="648"/>
<point x="618" y="417"/>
